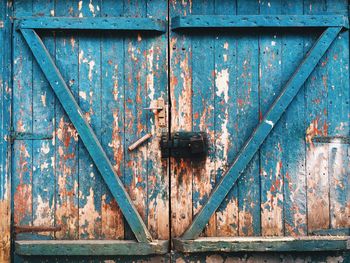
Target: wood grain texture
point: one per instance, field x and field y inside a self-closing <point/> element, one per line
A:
<point x="5" y="124"/>
<point x="112" y="136"/>
<point x="225" y="120"/>
<point x="247" y="118"/>
<point x="203" y="113"/>
<point x="180" y="75"/>
<point x="263" y="20"/>
<point x="292" y="142"/>
<point x="262" y="130"/>
<point x="43" y="150"/>
<point x="263" y="244"/>
<point x="66" y="136"/>
<point x="90" y="248"/>
<point x="89" y="100"/>
<point x="270" y="78"/>
<point x="316" y="125"/>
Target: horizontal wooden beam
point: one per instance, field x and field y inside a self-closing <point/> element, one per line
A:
<point x="89" y="247"/>
<point x="241" y="21"/>
<point x="261" y="131"/>
<point x="95" y="23"/>
<point x="263" y="244"/>
<point x="86" y="134"/>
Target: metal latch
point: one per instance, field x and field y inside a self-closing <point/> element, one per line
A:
<point x="192" y="145"/>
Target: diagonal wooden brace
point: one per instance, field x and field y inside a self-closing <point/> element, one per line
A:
<point x="86" y="134"/>
<point x="262" y="131"/>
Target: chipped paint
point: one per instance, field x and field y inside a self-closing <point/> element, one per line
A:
<point x="222" y="83"/>
<point x="88" y="215"/>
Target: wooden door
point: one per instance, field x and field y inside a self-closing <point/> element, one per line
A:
<point x="113" y="75"/>
<point x="224" y="79"/>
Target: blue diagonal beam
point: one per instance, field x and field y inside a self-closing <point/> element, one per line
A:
<point x="86" y="134"/>
<point x="262" y="131"/>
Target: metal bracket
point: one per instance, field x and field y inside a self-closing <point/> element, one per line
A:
<point x="160" y="110"/>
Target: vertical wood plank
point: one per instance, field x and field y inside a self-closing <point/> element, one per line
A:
<point x="181" y="119"/>
<point x="157" y="86"/>
<point x="90" y="92"/>
<point x="247" y="104"/>
<point x="43" y="122"/>
<point x="66" y="136"/>
<point x="203" y="111"/>
<point x="5" y="122"/>
<point x="271" y="150"/>
<point x="112" y="138"/>
<point x="316" y="125"/>
<point x="225" y="110"/>
<point x="338" y="122"/>
<point x="135" y="117"/>
<point x="22" y="122"/>
<point x="293" y="122"/>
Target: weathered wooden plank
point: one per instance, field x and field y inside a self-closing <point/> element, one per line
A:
<point x="112" y="138"/>
<point x="90" y="247"/>
<point x="5" y="121"/>
<point x="293" y="135"/>
<point x="93" y="23"/>
<point x="90" y="94"/>
<point x="157" y="168"/>
<point x="225" y="110"/>
<point x="270" y="79"/>
<point x="203" y="111"/>
<point x="136" y="126"/>
<point x="247" y="118"/>
<point x="262" y="130"/>
<point x="86" y="134"/>
<point x="22" y="122"/>
<point x="43" y="150"/>
<point x="263" y="244"/>
<point x="227" y="21"/>
<point x="317" y="176"/>
<point x="66" y="136"/>
<point x="338" y="125"/>
<point x="181" y="119"/>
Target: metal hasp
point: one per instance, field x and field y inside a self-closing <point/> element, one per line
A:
<point x="192" y="145"/>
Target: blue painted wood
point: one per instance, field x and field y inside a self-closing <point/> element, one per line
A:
<point x="89" y="100"/>
<point x="22" y="122"/>
<point x="136" y="124"/>
<point x="180" y="76"/>
<point x="227" y="21"/>
<point x="318" y="216"/>
<point x="293" y="133"/>
<point x="338" y="118"/>
<point x="158" y="187"/>
<point x="90" y="247"/>
<point x="203" y="116"/>
<point x="66" y="137"/>
<point x="5" y="123"/>
<point x="112" y="137"/>
<point x="270" y="79"/>
<point x="225" y="118"/>
<point x="43" y="192"/>
<point x="93" y="23"/>
<point x="262" y="131"/>
<point x="86" y="134"/>
<point x="247" y="118"/>
<point x="263" y="244"/>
